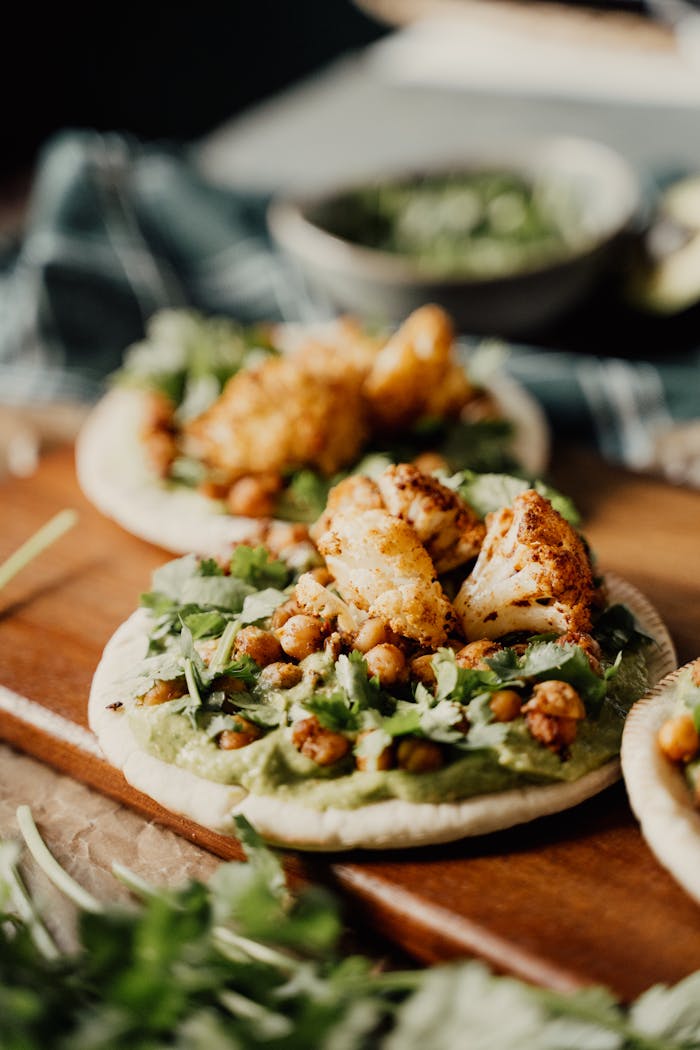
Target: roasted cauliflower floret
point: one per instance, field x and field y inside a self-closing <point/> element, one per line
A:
<point x="318" y="600"/>
<point x="345" y="338"/>
<point x="533" y="574"/>
<point x="447" y="527"/>
<point x="301" y="410"/>
<point x="356" y="493"/>
<point x="380" y="565"/>
<point x="415" y="374"/>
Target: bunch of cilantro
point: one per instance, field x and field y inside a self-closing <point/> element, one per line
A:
<point x="241" y="963"/>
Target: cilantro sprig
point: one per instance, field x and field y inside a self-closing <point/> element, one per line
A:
<point x="243" y="962"/>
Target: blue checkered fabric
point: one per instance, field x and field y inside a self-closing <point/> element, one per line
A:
<point x="118" y="230"/>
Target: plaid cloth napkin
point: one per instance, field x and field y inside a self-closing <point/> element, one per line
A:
<point x="118" y="230"/>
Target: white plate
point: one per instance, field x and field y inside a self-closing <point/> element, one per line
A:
<point x="657" y="790"/>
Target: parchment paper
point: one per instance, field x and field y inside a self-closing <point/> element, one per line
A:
<point x="87" y="832"/>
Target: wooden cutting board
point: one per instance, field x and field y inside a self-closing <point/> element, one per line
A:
<point x="570" y="899"/>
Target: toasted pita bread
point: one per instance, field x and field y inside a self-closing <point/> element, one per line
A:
<point x="387" y="824"/>
<point x="114" y="475"/>
<point x="657" y="790"/>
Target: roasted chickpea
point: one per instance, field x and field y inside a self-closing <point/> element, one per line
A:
<point x="421" y="668"/>
<point x="254" y="496"/>
<point x="302" y="635"/>
<point x="244" y="733"/>
<point x="430" y="462"/>
<point x="374" y="763"/>
<point x="322" y="746"/>
<point x="678" y="738"/>
<point x="387" y="663"/>
<point x="553" y="713"/>
<point x="371" y="633"/>
<point x="416" y="755"/>
<point x="505" y="705"/>
<point x="280" y="675"/>
<point x="321" y="575"/>
<point x="229" y="684"/>
<point x="261" y="646"/>
<point x="556" y="698"/>
<point x="587" y="643"/>
<point x="285" y="534"/>
<point x="162" y="691"/>
<point x="213" y="489"/>
<point x="285" y="612"/>
<point x="474" y="655"/>
<point x="557" y="734"/>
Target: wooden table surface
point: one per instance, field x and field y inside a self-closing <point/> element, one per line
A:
<point x="571" y="899"/>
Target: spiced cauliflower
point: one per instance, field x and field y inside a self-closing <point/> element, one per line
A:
<point x="305" y="409"/>
<point x="380" y="565"/>
<point x="415" y="374"/>
<point x="447" y="527"/>
<point x="533" y="574"/>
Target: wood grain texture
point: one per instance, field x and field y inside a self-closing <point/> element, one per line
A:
<point x="570" y="899"/>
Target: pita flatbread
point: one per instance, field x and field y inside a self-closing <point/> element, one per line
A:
<point x="657" y="790"/>
<point x="114" y="475"/>
<point x="387" y="824"/>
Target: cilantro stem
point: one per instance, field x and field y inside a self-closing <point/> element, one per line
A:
<point x="226" y="940"/>
<point x="192" y="687"/>
<point x="223" y="649"/>
<point x="43" y="538"/>
<point x="50" y="866"/>
<point x="272" y="1024"/>
<point x="133" y="882"/>
<point x="22" y="902"/>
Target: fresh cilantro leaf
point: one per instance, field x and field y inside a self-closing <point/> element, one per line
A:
<point x="210" y="567"/>
<point x="405" y="720"/>
<point x="204" y="624"/>
<point x="670" y="1013"/>
<point x="187" y="357"/>
<point x="490" y="492"/>
<point x="220" y="592"/>
<point x="545" y="660"/>
<point x="170" y="578"/>
<point x="261" y="605"/>
<point x="352" y="676"/>
<point x="257" y="567"/>
<point x="459" y="683"/>
<point x="243" y="667"/>
<point x="616" y="628"/>
<point x="305" y="497"/>
<point x="163" y="667"/>
<point x="439" y="721"/>
<point x="157" y="603"/>
<point x="334" y="712"/>
<point x="481" y="446"/>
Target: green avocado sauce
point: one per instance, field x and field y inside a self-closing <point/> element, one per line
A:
<point x="502" y="756"/>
